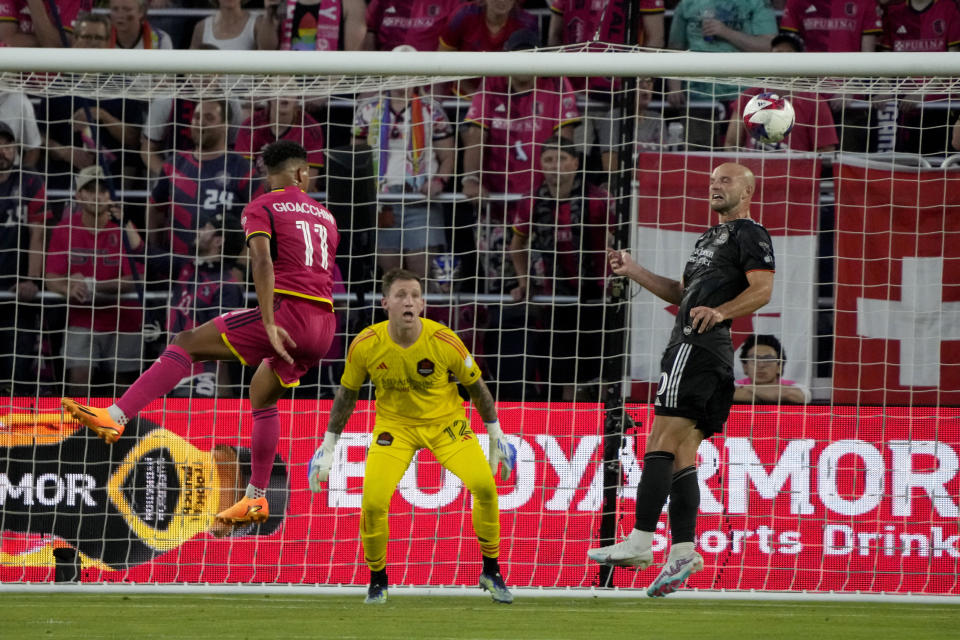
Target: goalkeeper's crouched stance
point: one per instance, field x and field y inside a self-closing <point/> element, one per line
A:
<point x="409" y="360"/>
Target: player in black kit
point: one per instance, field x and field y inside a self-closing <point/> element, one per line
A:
<point x="729" y="275"/>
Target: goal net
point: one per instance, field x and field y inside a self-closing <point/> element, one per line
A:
<point x="500" y="179"/>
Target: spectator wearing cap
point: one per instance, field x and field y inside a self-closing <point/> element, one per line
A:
<point x="828" y="26"/>
<point x="763" y="359"/>
<point x="411" y="143"/>
<point x="31" y="23"/>
<point x="87" y="265"/>
<point x="714" y="27"/>
<point x="813" y="129"/>
<point x="559" y="249"/>
<point x="207" y="180"/>
<point x="417" y="23"/>
<point x="508" y="119"/>
<point x="131" y="30"/>
<point x="23" y="213"/>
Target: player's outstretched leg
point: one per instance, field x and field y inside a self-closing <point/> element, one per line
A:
<point x="173" y="365"/>
<point x="377" y="591"/>
<point x="492" y="580"/>
<point x="97" y="420"/>
<point x="633" y="551"/>
<point x="682" y="562"/>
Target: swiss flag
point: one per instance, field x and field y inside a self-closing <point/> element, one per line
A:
<point x="898" y="286"/>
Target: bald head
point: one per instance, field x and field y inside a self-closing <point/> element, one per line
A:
<point x="731" y="190"/>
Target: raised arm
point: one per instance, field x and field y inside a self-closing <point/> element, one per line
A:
<point x="664" y="288"/>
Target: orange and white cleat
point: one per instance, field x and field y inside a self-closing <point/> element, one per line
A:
<point x="97" y="420"/>
<point x="246" y="511"/>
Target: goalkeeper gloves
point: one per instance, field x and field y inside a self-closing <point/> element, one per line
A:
<point x="501" y="451"/>
<point x="322" y="461"/>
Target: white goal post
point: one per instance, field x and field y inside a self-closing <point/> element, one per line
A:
<point x="853" y="492"/>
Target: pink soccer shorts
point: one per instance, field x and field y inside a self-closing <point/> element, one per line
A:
<point x="310" y="324"/>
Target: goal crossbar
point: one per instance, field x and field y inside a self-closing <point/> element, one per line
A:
<point x="619" y="61"/>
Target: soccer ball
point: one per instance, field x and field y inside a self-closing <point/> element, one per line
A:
<point x="768" y="117"/>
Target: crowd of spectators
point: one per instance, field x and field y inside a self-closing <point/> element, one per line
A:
<point x="440" y="160"/>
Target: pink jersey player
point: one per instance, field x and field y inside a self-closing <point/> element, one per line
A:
<point x="936" y="28"/>
<point x="514" y="123"/>
<point x="292" y="240"/>
<point x="829" y="26"/>
<point x="417" y="23"/>
<point x="303" y="240"/>
<point x="304" y="236"/>
<point x="78" y="250"/>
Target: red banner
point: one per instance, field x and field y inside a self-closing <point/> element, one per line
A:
<point x="898" y="286"/>
<point x="800" y="498"/>
<point x="674" y="188"/>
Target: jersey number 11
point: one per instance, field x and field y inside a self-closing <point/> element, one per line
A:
<point x="321" y="232"/>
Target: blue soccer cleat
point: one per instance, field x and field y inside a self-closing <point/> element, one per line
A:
<point x="675" y="573"/>
<point x="495" y="585"/>
<point x="376" y="594"/>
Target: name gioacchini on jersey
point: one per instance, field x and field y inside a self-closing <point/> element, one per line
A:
<point x="303" y="207"/>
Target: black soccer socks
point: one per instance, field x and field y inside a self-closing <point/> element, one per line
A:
<point x="655" y="483"/>
<point x="684" y="505"/>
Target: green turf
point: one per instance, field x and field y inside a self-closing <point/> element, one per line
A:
<point x="266" y="617"/>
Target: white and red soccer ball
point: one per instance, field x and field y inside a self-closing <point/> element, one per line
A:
<point x="768" y="117"/>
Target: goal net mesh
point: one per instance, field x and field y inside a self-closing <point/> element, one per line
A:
<point x="840" y="474"/>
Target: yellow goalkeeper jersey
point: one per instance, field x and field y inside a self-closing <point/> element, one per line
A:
<point x="413" y="385"/>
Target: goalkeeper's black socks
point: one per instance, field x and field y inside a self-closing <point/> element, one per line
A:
<point x="491" y="566"/>
<point x="379" y="578"/>
<point x="654" y="488"/>
<point x="684" y="505"/>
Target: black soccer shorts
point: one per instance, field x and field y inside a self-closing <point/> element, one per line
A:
<point x="695" y="384"/>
